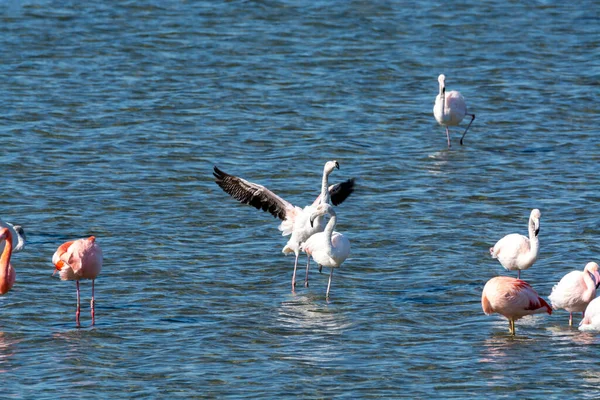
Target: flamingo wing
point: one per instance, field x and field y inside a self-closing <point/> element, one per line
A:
<point x="338" y="192"/>
<point x="253" y="194"/>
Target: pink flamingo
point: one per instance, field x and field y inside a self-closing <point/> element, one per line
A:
<point x="450" y="109"/>
<point x="512" y="298"/>
<point x="327" y="248"/>
<point x="79" y="259"/>
<point x="7" y="272"/>
<point x="576" y="290"/>
<point x="18" y="235"/>
<point x="591" y="320"/>
<point x="516" y="251"/>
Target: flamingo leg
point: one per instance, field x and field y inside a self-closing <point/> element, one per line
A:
<point x="329" y="284"/>
<point x="320" y="268"/>
<point x="468" y="126"/>
<point x="294" y="275"/>
<point x="78" y="308"/>
<point x="448" y="136"/>
<point x="93" y="304"/>
<point x="570" y="319"/>
<point x="519" y="274"/>
<point x="511" y="323"/>
<point x="307" y="265"/>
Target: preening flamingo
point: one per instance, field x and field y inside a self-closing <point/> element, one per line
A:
<point x="450" y="109"/>
<point x="327" y="248"/>
<point x="576" y="290"/>
<point x="512" y="298"/>
<point x="518" y="252"/>
<point x="76" y="260"/>
<point x="17" y="233"/>
<point x="591" y="320"/>
<point x="7" y="272"/>
<point x="295" y="220"/>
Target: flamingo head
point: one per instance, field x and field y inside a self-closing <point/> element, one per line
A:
<point x="534" y="220"/>
<point x="442" y="81"/>
<point x="322" y="209"/>
<point x="330" y="166"/>
<point x="592" y="269"/>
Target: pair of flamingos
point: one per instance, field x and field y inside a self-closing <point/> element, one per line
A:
<point x="74" y="260"/>
<point x="514" y="298"/>
<point x="307" y="227"/>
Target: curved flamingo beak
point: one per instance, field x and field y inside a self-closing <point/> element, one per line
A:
<point x="596" y="277"/>
<point x="337" y="165"/>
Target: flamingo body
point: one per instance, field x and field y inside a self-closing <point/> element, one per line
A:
<point x="576" y="290"/>
<point x="450" y="109"/>
<point x="76" y="260"/>
<point x="327" y="248"/>
<point x="512" y="298"/>
<point x="7" y="272"/>
<point x="518" y="252"/>
<point x="591" y="320"/>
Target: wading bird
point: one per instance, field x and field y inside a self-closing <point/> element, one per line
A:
<point x="512" y="298"/>
<point x="450" y="109"/>
<point x="576" y="290"/>
<point x="295" y="220"/>
<point x="518" y="252"/>
<point x="76" y="260"/>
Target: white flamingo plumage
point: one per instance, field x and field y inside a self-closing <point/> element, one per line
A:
<point x="576" y="290"/>
<point x="518" y="252"/>
<point x="591" y="320"/>
<point x="17" y="234"/>
<point x="327" y="248"/>
<point x="512" y="298"/>
<point x="295" y="220"/>
<point x="450" y="108"/>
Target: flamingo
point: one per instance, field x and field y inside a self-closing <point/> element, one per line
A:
<point x="591" y="320"/>
<point x="516" y="251"/>
<point x="576" y="290"/>
<point x="327" y="248"/>
<point x="7" y="272"/>
<point x="295" y="220"/>
<point x="76" y="260"/>
<point x="512" y="298"/>
<point x="450" y="109"/>
<point x="17" y="234"/>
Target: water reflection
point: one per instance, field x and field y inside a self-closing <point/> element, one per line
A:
<point x="7" y="349"/>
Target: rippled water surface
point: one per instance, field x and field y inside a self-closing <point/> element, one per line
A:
<point x="114" y="114"/>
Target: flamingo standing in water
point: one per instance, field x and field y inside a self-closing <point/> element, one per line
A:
<point x="7" y="272"/>
<point x="512" y="298"/>
<point x="327" y="248"/>
<point x="295" y="220"/>
<point x="516" y="251"/>
<point x="450" y="109"/>
<point x="591" y="320"/>
<point x="576" y="290"/>
<point x="17" y="234"/>
<point x="76" y="260"/>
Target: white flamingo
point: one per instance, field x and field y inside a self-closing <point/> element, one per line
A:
<point x="327" y="248"/>
<point x="591" y="320"/>
<point x="576" y="290"/>
<point x="450" y="109"/>
<point x="295" y="220"/>
<point x="17" y="234"/>
<point x="518" y="252"/>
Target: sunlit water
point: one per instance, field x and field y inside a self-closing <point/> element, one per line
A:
<point x="113" y="116"/>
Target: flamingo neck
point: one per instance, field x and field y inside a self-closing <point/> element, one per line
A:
<point x="443" y="97"/>
<point x="325" y="188"/>
<point x="330" y="227"/>
<point x="590" y="283"/>
<point x="5" y="263"/>
<point x="534" y="241"/>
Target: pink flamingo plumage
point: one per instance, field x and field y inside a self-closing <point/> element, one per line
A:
<point x="7" y="272"/>
<point x="512" y="298"/>
<point x="76" y="260"/>
<point x="576" y="290"/>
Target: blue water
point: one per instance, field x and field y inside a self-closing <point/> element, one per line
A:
<point x="114" y="114"/>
